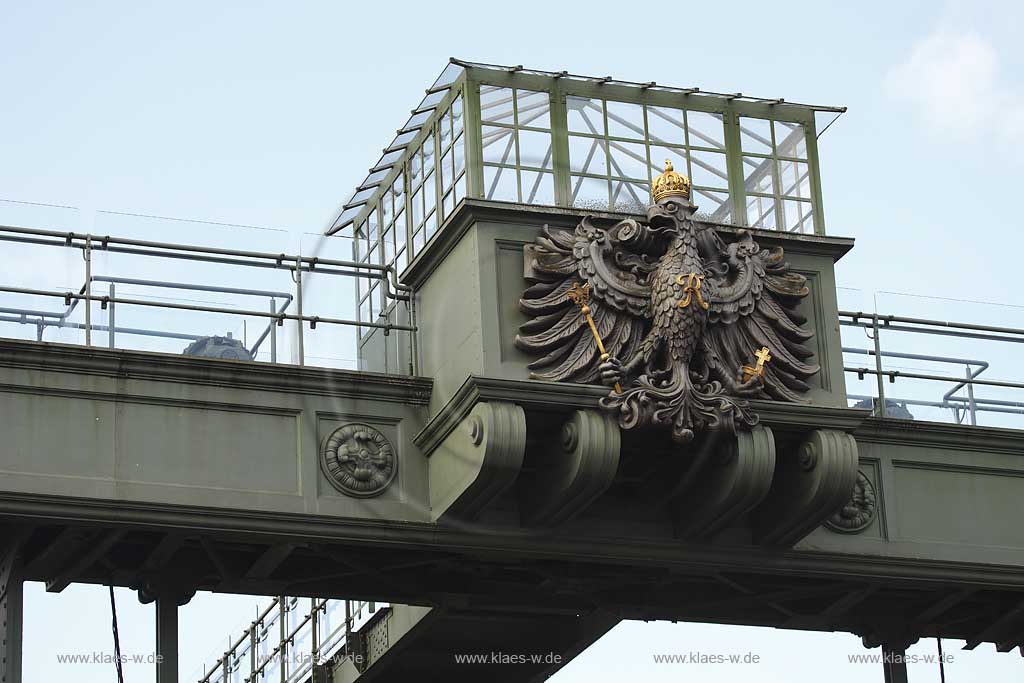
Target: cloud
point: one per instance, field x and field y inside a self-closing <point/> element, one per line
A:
<point x="952" y="79"/>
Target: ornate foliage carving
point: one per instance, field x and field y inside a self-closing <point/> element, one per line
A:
<point x="358" y="460"/>
<point x="858" y="512"/>
<point x="673" y="313"/>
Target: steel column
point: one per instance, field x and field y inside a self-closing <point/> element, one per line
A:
<point x="167" y="640"/>
<point x="894" y="664"/>
<point x="11" y="613"/>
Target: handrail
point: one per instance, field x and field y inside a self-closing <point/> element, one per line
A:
<point x="382" y="280"/>
<point x="874" y="324"/>
<point x="320" y="649"/>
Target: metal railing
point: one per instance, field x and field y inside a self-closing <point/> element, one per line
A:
<point x="282" y="306"/>
<point x="289" y="638"/>
<point x="900" y="387"/>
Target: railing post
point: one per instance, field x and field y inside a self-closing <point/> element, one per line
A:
<point x="970" y="397"/>
<point x="87" y="252"/>
<point x="878" y="366"/>
<point x="110" y="316"/>
<point x="252" y="653"/>
<point x="348" y="627"/>
<point x="298" y="301"/>
<point x="273" y="331"/>
<point x="282" y="618"/>
<point x="314" y="621"/>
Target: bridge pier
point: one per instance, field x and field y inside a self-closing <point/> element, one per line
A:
<point x="11" y="610"/>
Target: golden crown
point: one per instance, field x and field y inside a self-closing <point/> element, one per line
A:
<point x="670" y="184"/>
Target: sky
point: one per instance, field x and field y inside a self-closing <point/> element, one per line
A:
<point x="268" y="114"/>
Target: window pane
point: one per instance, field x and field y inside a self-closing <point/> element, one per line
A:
<point x="758" y="175"/>
<point x="628" y="160"/>
<point x="386" y="210"/>
<point x="795" y="179"/>
<point x="755" y="135"/>
<point x="535" y="149"/>
<point x="538" y="188"/>
<point x="431" y="227"/>
<point x="706" y="130"/>
<point x="460" y="188"/>
<point x="447" y="170"/>
<point x="398" y="191"/>
<point x="417" y="208"/>
<point x="429" y="197"/>
<point x="428" y="154"/>
<point x="585" y="116"/>
<point x="713" y="206"/>
<point x="364" y="312"/>
<point x="498" y="145"/>
<point x="588" y="155"/>
<point x="797" y="216"/>
<point x="709" y="169"/>
<point x="401" y="260"/>
<point x="359" y="241"/>
<point x="444" y="131"/>
<point x="448" y="203"/>
<point x="417" y="241"/>
<point x="761" y="212"/>
<point x="415" y="170"/>
<point x="400" y="229"/>
<point x="460" y="154"/>
<point x="534" y="108"/>
<point x="790" y="140"/>
<point x="500" y="183"/>
<point x="625" y="120"/>
<point x="371" y="226"/>
<point x="665" y="125"/>
<point x="630" y="197"/>
<point x="660" y="154"/>
<point x="589" y="193"/>
<point x="457" y="123"/>
<point x="389" y="246"/>
<point x="495" y="104"/>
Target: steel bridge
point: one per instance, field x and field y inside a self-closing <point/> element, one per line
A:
<point x="179" y="417"/>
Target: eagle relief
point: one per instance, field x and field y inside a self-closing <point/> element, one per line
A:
<point x="683" y="327"/>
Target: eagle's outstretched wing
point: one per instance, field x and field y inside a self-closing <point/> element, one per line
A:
<point x="616" y="264"/>
<point x="753" y="304"/>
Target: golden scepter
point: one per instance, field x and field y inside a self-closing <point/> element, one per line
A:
<point x="581" y="296"/>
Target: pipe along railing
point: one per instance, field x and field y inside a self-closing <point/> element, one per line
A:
<point x="296" y="265"/>
<point x="285" y="642"/>
<point x="962" y="407"/>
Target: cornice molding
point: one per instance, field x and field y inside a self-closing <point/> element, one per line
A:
<point x="144" y="365"/>
<point x="564" y="396"/>
<point x="941" y="435"/>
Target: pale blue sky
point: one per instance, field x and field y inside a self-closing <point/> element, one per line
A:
<point x="269" y="113"/>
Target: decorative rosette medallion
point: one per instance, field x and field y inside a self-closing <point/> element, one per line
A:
<point x="358" y="460"/>
<point x="859" y="511"/>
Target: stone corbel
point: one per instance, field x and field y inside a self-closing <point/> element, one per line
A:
<point x="736" y="477"/>
<point x="810" y="484"/>
<point x="477" y="461"/>
<point x="577" y="466"/>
